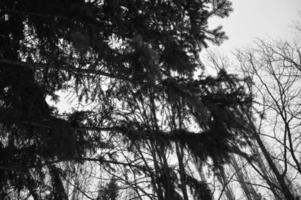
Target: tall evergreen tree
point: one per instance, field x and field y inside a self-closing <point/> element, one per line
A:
<point x="135" y="62"/>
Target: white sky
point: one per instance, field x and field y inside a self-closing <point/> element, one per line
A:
<point x="253" y="19"/>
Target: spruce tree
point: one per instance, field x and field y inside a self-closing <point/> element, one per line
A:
<point x="135" y="61"/>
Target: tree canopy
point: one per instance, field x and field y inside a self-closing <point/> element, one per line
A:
<point x="135" y="63"/>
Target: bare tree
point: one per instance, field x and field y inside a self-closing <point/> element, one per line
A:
<point x="273" y="75"/>
<point x="275" y="72"/>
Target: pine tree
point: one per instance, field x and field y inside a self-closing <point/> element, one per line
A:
<point x="135" y="61"/>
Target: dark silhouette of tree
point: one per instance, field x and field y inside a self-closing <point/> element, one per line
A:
<point x="134" y="62"/>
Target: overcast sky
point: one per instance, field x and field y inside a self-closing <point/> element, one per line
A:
<point x="260" y="18"/>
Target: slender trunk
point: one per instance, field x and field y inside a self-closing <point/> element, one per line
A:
<point x="157" y="171"/>
<point x="169" y="190"/>
<point x="268" y="174"/>
<point x="223" y="180"/>
<point x="245" y="183"/>
<point x="285" y="189"/>
<point x="182" y="171"/>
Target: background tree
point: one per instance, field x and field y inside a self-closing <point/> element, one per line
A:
<point x="273" y="69"/>
<point x="278" y="103"/>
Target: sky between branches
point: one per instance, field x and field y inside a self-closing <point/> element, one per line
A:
<point x="250" y="19"/>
